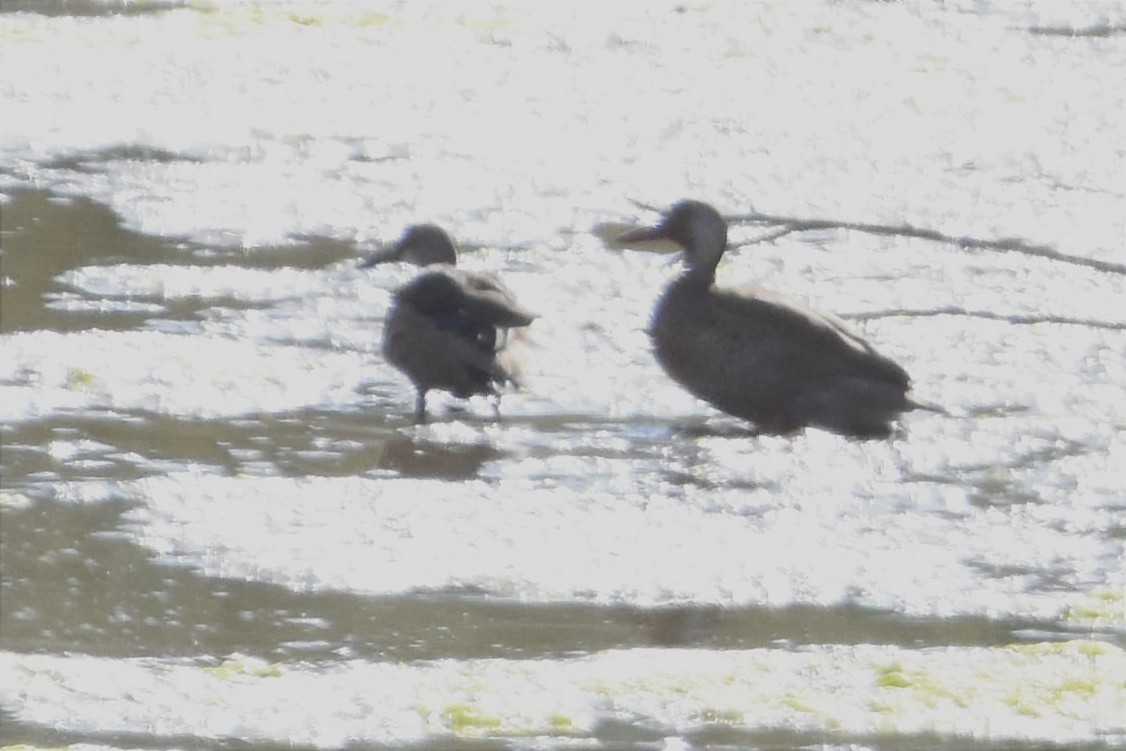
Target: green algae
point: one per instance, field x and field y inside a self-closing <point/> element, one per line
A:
<point x="466" y="719"/>
<point x="1102" y="608"/>
<point x="721" y="717"/>
<point x="245" y="667"/>
<point x="891" y="676"/>
<point x="79" y="378"/>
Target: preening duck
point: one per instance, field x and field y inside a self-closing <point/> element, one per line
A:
<point x="448" y="329"/>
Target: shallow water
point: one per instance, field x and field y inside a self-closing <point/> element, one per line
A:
<point x="221" y="526"/>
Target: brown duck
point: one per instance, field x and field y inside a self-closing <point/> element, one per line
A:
<point x="448" y="329"/>
<point x="757" y="355"/>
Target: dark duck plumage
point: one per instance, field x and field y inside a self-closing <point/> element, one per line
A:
<point x="757" y="355"/>
<point x="448" y="329"/>
<point x="421" y="244"/>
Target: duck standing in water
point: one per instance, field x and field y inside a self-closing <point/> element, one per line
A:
<point x="448" y="329"/>
<point x="757" y="355"/>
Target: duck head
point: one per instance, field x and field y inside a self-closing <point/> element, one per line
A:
<point x="421" y="244"/>
<point x="694" y="226"/>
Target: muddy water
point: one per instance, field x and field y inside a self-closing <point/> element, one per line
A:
<point x="221" y="526"/>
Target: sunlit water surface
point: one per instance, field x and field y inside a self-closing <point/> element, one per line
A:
<point x="222" y="528"/>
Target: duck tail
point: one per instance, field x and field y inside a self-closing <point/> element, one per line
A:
<point x="928" y="406"/>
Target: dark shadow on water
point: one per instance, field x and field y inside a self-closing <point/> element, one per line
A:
<point x="360" y="442"/>
<point x="722" y="736"/>
<point x="306" y="252"/>
<point x="717" y="430"/>
<point x="92" y="161"/>
<point x="129" y="445"/>
<point x="89" y="8"/>
<point x="44" y="235"/>
<point x="1094" y="31"/>
<point x="421" y="459"/>
<point x="73" y="583"/>
<point x="18" y="734"/>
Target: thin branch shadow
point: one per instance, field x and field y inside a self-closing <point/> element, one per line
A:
<point x="784" y="225"/>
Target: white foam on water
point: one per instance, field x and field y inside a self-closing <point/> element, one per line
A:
<point x="166" y="281"/>
<point x="919" y="549"/>
<point x="887" y="112"/>
<point x="1061" y="693"/>
<point x="192" y="376"/>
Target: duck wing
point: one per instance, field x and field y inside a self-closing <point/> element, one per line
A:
<point x="760" y="356"/>
<point x="476" y="300"/>
<point x="485" y="299"/>
<point x="821" y="345"/>
<point x="447" y="330"/>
